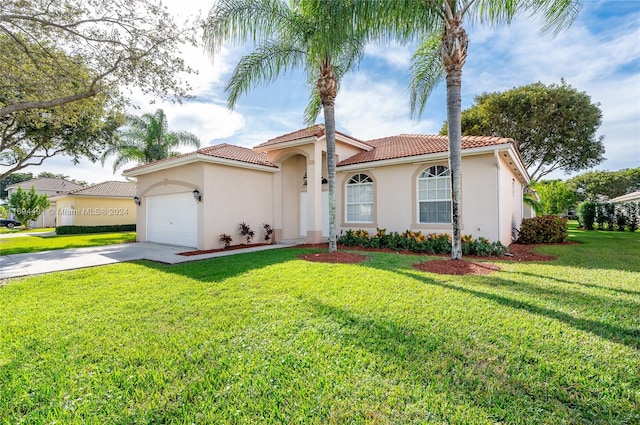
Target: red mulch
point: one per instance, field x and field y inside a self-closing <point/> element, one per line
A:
<point x="333" y="257"/>
<point x="231" y="248"/>
<point x="456" y="267"/>
<point x="518" y="252"/>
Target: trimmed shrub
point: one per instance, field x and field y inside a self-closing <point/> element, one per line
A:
<point x="79" y="230"/>
<point x="587" y="214"/>
<point x="544" y="229"/>
<point x="413" y="241"/>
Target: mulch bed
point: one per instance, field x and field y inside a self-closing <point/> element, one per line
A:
<point x="231" y="248"/>
<point x="517" y="252"/>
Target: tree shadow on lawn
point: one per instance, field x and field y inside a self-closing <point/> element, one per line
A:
<point x="221" y="268"/>
<point x="465" y="374"/>
<point x="617" y="334"/>
<point x="575" y="282"/>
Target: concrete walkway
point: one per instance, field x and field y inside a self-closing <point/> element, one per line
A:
<point x="17" y="265"/>
<point x="20" y="235"/>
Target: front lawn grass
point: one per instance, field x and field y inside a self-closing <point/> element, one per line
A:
<point x="9" y="246"/>
<point x="5" y="230"/>
<point x="266" y="338"/>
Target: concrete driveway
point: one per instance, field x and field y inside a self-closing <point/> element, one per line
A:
<point x="68" y="259"/>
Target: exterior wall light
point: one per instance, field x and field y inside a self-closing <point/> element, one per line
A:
<point x="196" y="195"/>
<point x="137" y="200"/>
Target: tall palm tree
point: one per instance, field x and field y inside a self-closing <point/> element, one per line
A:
<point x="315" y="35"/>
<point x="442" y="52"/>
<point x="147" y="139"/>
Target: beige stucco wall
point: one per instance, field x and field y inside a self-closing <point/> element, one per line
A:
<point x="395" y="198"/>
<point x="230" y="195"/>
<point x="95" y="211"/>
<point x="165" y="182"/>
<point x="512" y="207"/>
<point x="233" y="195"/>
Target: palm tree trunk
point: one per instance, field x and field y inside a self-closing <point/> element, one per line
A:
<point x="454" y="53"/>
<point x="328" y="88"/>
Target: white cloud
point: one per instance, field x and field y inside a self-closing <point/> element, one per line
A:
<point x="393" y="54"/>
<point x="367" y="108"/>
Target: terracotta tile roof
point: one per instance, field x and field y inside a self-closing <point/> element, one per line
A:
<point x="406" y="145"/>
<point x="316" y="130"/>
<point x="236" y="153"/>
<point x="48" y="184"/>
<point x="224" y="151"/>
<point x="108" y="189"/>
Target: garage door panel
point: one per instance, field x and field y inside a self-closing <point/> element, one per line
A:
<point x="172" y="219"/>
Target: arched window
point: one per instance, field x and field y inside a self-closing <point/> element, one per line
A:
<point x="360" y="199"/>
<point x="434" y="195"/>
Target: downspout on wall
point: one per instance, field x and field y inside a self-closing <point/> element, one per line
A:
<point x="499" y="185"/>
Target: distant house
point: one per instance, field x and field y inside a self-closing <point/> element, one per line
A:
<point x="101" y="204"/>
<point x="629" y="197"/>
<point x="398" y="183"/>
<point x="49" y="186"/>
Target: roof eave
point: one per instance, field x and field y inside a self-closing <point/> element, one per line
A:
<point x="284" y="145"/>
<point x="190" y="159"/>
<point x="419" y="159"/>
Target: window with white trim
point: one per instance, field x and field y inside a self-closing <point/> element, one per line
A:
<point x="434" y="195"/>
<point x="360" y="199"/>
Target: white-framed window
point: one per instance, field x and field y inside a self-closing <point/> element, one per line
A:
<point x="434" y="195"/>
<point x="360" y="199"/>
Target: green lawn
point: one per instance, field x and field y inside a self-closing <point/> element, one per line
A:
<point x="265" y="338"/>
<point x="9" y="246"/>
<point x="4" y="230"/>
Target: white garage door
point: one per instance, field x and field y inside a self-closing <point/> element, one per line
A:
<point x="172" y="219"/>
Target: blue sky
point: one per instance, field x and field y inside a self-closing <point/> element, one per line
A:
<point x="599" y="54"/>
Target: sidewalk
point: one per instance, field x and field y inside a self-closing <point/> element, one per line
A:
<point x="68" y="259"/>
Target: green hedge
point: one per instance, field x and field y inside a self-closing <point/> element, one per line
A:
<point x="543" y="229"/>
<point x="418" y="242"/>
<point x="78" y="230"/>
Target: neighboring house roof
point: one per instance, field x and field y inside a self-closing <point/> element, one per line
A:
<point x="46" y="184"/>
<point x="316" y="130"/>
<point x="108" y="189"/>
<point x="223" y="151"/>
<point x="407" y="145"/>
<point x="633" y="196"/>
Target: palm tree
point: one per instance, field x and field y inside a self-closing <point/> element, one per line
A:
<point x="315" y="35"/>
<point x="442" y="51"/>
<point x="147" y="139"/>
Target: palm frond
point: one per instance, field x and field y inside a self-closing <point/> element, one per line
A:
<point x="558" y="15"/>
<point x="239" y="21"/>
<point x="183" y="138"/>
<point x="427" y="71"/>
<point x="263" y="66"/>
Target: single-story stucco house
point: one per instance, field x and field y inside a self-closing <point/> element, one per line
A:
<point x="102" y="204"/>
<point x="45" y="186"/>
<point x="397" y="183"/>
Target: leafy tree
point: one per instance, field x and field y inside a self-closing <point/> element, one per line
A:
<point x="118" y="44"/>
<point x="442" y="53"/>
<point x="27" y="205"/>
<point x="12" y="179"/>
<point x="315" y="35"/>
<point x="593" y="184"/>
<point x="67" y="65"/>
<point x="554" y="126"/>
<point x="555" y="197"/>
<point x="79" y="129"/>
<point x="4" y="211"/>
<point x="146" y="139"/>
